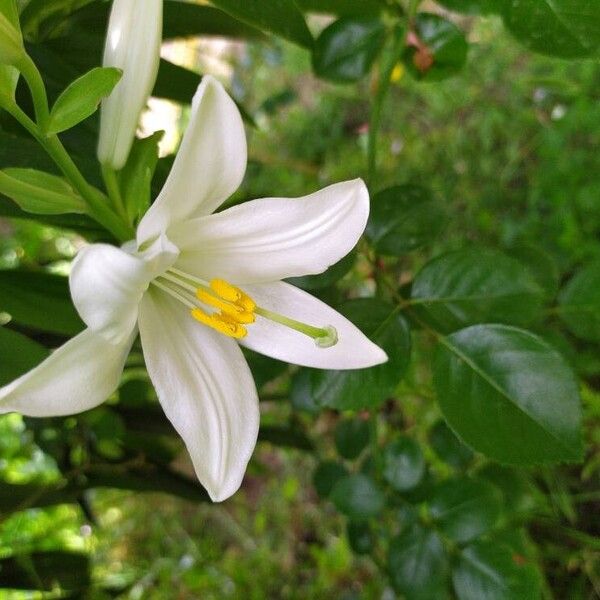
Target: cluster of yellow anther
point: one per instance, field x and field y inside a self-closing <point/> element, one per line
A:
<point x="236" y="308"/>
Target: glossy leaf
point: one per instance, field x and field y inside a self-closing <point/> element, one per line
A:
<point x="465" y="508"/>
<point x="39" y="301"/>
<point x="326" y="476"/>
<point x="403" y="464"/>
<point x="357" y="497"/>
<point x="448" y="447"/>
<point x="18" y="354"/>
<point x="476" y="285"/>
<point x="579" y="303"/>
<point x="417" y="564"/>
<point x="404" y="218"/>
<point x="82" y="98"/>
<point x="508" y="394"/>
<point x="367" y="388"/>
<point x="564" y="28"/>
<point x="493" y="571"/>
<point x="437" y="48"/>
<point x="281" y="17"/>
<point x="540" y="264"/>
<point x="351" y="437"/>
<point x="40" y="193"/>
<point x="346" y="49"/>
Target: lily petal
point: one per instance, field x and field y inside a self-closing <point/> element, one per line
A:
<point x="210" y="164"/>
<point x="78" y="376"/>
<point x="353" y="350"/>
<point x="275" y="238"/>
<point x="205" y="388"/>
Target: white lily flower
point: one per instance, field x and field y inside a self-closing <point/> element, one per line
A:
<point x="133" y="45"/>
<point x="197" y="285"/>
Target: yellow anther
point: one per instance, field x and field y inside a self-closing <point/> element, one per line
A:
<point x="232" y="294"/>
<point x="233" y="310"/>
<point x="221" y="323"/>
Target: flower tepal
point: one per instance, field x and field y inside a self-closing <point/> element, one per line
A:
<point x="198" y="285"/>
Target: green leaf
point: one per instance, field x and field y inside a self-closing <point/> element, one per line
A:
<point x="46" y="571"/>
<point x="473" y="7"/>
<point x="351" y="437"/>
<point x="448" y="447"/>
<point x="476" y="285"/>
<point x="404" y="218"/>
<point x="82" y="98"/>
<point x="465" y="508"/>
<point x="360" y="537"/>
<point x="437" y="49"/>
<point x="357" y="497"/>
<point x="281" y="17"/>
<point x="358" y="8"/>
<point x="346" y="50"/>
<point x="509" y="394"/>
<point x="541" y="266"/>
<point x="40" y="193"/>
<point x="326" y="475"/>
<point x="403" y="464"/>
<point x="417" y="564"/>
<point x="367" y="388"/>
<point x="40" y="301"/>
<point x="579" y="303"/>
<point x="18" y="354"/>
<point x="493" y="571"/>
<point x="564" y="28"/>
<point x="136" y="177"/>
<point x="328" y="277"/>
<point x="518" y="490"/>
<point x="9" y="76"/>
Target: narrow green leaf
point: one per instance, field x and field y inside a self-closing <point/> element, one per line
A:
<point x="564" y="28"/>
<point x="508" y="394"/>
<point x="404" y="218"/>
<point x="281" y="17"/>
<point x="9" y="76"/>
<point x="493" y="571"/>
<point x="579" y="303"/>
<point x="357" y="497"/>
<point x="403" y="464"/>
<point x="346" y="49"/>
<point x="40" y="193"/>
<point x="18" y="354"/>
<point x="367" y="388"/>
<point x="465" y="508"/>
<point x="351" y="437"/>
<point x="82" y="98"/>
<point x="476" y="285"/>
<point x="40" y="301"/>
<point x="418" y="564"/>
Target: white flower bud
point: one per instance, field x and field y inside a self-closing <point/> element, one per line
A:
<point x="132" y="45"/>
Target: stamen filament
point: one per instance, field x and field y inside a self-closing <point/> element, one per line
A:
<point x="174" y="294"/>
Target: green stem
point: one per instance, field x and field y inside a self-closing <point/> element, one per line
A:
<point x="114" y="191"/>
<point x="38" y="91"/>
<point x="95" y="200"/>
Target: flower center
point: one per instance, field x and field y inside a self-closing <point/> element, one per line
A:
<point x="228" y="309"/>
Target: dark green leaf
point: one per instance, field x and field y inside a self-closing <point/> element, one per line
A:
<point x="518" y="489"/>
<point x="403" y="464"/>
<point x="473" y="7"/>
<point x="404" y="218"/>
<point x="565" y="28"/>
<point x="360" y="537"/>
<point x="346" y="50"/>
<point x="326" y="476"/>
<point x="40" y="301"/>
<point x="357" y="497"/>
<point x="264" y="368"/>
<point x="329" y="277"/>
<point x="493" y="571"/>
<point x="476" y="285"/>
<point x="351" y="437"/>
<point x="40" y="193"/>
<point x="541" y="266"/>
<point x="367" y="388"/>
<point x="418" y="564"/>
<point x="359" y="8"/>
<point x="46" y="570"/>
<point x="465" y="508"/>
<point x="18" y="354"/>
<point x="579" y="303"/>
<point x="437" y="48"/>
<point x="509" y="394"/>
<point x="82" y="98"/>
<point x="281" y="17"/>
<point x="448" y="447"/>
<point x="286" y="437"/>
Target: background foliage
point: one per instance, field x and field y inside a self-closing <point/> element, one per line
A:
<point x="467" y="466"/>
